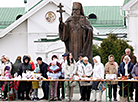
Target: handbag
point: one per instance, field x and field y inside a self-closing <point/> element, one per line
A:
<point x="70" y="83"/>
<point x="101" y="86"/>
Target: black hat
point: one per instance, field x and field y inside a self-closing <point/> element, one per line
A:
<point x="81" y="54"/>
<point x="54" y="56"/>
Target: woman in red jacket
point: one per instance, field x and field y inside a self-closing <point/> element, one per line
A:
<point x="31" y="63"/>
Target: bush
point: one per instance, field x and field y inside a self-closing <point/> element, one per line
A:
<point x="112" y="45"/>
<point x="95" y="50"/>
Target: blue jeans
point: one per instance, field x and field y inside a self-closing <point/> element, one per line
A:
<point x="45" y="89"/>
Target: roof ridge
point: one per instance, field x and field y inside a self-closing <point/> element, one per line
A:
<point x="101" y="6"/>
<point x="12" y="7"/>
<point x="35" y="5"/>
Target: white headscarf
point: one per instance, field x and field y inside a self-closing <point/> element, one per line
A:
<point x="98" y="59"/>
<point x="98" y="71"/>
<point x="126" y="64"/>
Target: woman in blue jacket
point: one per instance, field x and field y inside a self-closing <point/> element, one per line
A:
<point x="125" y="69"/>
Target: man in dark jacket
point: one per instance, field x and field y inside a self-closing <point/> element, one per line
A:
<point x="132" y="57"/>
<point x="43" y="70"/>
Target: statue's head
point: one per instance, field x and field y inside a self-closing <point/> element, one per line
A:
<point x="77" y="9"/>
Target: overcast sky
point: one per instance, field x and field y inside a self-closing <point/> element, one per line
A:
<point x="20" y="3"/>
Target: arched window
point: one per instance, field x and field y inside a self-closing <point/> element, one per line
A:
<point x="18" y="17"/>
<point x="92" y="16"/>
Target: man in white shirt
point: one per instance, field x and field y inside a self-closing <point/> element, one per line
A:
<point x="80" y="61"/>
<point x="62" y="73"/>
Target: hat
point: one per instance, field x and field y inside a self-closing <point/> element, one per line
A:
<point x="79" y="6"/>
<point x="64" y="55"/>
<point x="54" y="56"/>
<point x="6" y="57"/>
<point x="7" y="68"/>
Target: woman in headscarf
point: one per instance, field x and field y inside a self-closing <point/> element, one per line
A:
<point x="24" y="86"/>
<point x="111" y="67"/>
<point x="31" y="63"/>
<point x="16" y="65"/>
<point x="125" y="69"/>
<point x="98" y="73"/>
<point x="5" y="63"/>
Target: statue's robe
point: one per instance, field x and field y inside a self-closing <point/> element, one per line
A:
<point x="77" y="36"/>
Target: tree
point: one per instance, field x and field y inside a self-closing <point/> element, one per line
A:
<point x="115" y="46"/>
<point x="95" y="50"/>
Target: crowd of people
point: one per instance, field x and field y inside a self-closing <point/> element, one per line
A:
<point x="67" y="69"/>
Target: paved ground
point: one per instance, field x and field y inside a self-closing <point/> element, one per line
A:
<point x="76" y="97"/>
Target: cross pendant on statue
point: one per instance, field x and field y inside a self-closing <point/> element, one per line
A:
<point x="60" y="11"/>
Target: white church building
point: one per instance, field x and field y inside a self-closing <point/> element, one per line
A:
<point x="19" y="37"/>
<point x="33" y="30"/>
<point x="131" y="15"/>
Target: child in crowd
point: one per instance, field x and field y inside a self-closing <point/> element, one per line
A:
<point x="5" y="85"/>
<point x="55" y="76"/>
<point x="16" y="85"/>
<point x="35" y="84"/>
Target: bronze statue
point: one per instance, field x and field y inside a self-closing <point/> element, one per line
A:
<point x="76" y="32"/>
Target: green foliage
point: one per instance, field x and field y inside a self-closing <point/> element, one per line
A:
<point x="112" y="45"/>
<point x="95" y="50"/>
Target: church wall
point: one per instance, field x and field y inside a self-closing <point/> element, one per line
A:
<point x="20" y="41"/>
<point x="39" y="28"/>
<point x="38" y="23"/>
<point x="133" y="32"/>
<point x="15" y="42"/>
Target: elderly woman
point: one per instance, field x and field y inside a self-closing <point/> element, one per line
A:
<point x="111" y="67"/>
<point x="98" y="73"/>
<point x="134" y="74"/>
<point x="125" y="69"/>
<point x="85" y="70"/>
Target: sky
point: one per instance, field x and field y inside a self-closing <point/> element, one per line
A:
<point x="20" y="3"/>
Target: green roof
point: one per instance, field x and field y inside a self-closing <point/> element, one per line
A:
<point x="125" y="2"/>
<point x="114" y="30"/>
<point x="56" y="39"/>
<point x="108" y="16"/>
<point x="8" y="15"/>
